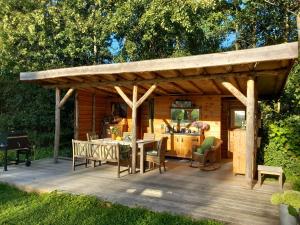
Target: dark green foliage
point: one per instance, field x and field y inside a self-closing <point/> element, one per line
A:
<point x="18" y="207"/>
<point x="281" y="127"/>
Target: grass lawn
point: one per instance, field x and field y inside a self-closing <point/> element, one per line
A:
<point x="19" y="207"/>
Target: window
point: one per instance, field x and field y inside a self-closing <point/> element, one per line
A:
<point x="185" y="115"/>
<point x="238" y="118"/>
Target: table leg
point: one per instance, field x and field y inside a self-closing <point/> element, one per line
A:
<point x="142" y="159"/>
<point x="259" y="178"/>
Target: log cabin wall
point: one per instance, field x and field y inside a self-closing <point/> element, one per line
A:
<point x="85" y="105"/>
<point x="210" y="112"/>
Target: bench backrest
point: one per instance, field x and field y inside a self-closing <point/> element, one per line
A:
<point x="96" y="150"/>
<point x="18" y="142"/>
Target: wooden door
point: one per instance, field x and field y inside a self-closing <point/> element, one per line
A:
<point x="186" y="146"/>
<point x="238" y="145"/>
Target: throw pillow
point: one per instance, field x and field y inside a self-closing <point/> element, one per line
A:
<point x="206" y="145"/>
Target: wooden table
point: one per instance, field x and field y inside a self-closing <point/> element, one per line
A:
<point x="140" y="144"/>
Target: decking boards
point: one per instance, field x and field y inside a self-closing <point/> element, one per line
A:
<point x="216" y="195"/>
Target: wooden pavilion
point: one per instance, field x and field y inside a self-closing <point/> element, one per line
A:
<point x="239" y="78"/>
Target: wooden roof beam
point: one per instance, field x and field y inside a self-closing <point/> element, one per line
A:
<point x="169" y="79"/>
<point x="191" y="82"/>
<point x="216" y="87"/>
<point x="235" y="92"/>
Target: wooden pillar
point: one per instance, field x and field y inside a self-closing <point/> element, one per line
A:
<point x="250" y="130"/>
<point x="76" y="119"/>
<point x="94" y="113"/>
<point x="134" y="104"/>
<point x="133" y="128"/>
<point x="57" y="124"/>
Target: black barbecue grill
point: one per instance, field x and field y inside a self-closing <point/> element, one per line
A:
<point x="18" y="142"/>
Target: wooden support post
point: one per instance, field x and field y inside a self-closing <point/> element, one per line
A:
<point x="134" y="104"/>
<point x="250" y="130"/>
<point x="57" y="124"/>
<point x="236" y="93"/>
<point x="133" y="129"/>
<point x="146" y="95"/>
<point x="65" y="98"/>
<point x="123" y="96"/>
<point x="76" y="119"/>
<point x="94" y="113"/>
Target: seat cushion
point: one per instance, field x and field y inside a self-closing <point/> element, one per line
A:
<point x="206" y="145"/>
<point x="152" y="152"/>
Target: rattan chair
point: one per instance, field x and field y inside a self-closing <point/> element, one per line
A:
<point x="213" y="155"/>
<point x="157" y="155"/>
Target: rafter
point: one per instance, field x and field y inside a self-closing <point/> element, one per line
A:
<point x="171" y="79"/>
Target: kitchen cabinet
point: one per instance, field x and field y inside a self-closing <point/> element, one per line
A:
<point x="180" y="145"/>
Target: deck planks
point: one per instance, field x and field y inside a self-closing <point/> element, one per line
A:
<point x="216" y="195"/>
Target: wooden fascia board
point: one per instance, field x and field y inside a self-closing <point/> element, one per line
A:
<point x="269" y="53"/>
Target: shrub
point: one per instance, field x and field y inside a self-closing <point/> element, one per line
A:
<point x="283" y="148"/>
<point x="290" y="198"/>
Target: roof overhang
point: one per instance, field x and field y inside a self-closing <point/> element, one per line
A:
<point x="200" y="74"/>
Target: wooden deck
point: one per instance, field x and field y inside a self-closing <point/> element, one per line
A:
<point x="217" y="194"/>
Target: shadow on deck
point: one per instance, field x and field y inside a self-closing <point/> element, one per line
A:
<point x="215" y="195"/>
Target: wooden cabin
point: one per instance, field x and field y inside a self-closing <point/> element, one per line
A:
<point x="164" y="96"/>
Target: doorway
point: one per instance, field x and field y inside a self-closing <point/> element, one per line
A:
<point x="233" y="118"/>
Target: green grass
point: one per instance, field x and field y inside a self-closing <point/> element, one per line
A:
<point x="19" y="207"/>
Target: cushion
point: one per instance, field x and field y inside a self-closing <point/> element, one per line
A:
<point x="206" y="145"/>
<point x="152" y="152"/>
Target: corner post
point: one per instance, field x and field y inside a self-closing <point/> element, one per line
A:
<point x="76" y="119"/>
<point x="250" y="130"/>
<point x="57" y="124"/>
<point x="133" y="129"/>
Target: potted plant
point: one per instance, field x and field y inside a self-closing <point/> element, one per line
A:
<point x="289" y="204"/>
<point x="114" y="132"/>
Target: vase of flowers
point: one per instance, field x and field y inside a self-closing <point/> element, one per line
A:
<point x="202" y="126"/>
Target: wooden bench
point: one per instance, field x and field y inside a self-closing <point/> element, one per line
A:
<point x="97" y="151"/>
<point x="270" y="170"/>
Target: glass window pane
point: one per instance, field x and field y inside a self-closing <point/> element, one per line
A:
<point x="239" y="118"/>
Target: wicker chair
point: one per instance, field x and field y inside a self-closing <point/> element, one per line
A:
<point x="213" y="155"/>
<point x="157" y="155"/>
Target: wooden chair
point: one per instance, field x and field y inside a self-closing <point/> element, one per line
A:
<point x="211" y="156"/>
<point x="91" y="136"/>
<point x="98" y="151"/>
<point x="157" y="156"/>
<point x="149" y="136"/>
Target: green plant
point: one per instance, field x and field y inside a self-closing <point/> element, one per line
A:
<point x="290" y="198"/>
<point x="115" y="130"/>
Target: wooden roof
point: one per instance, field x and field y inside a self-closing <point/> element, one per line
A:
<point x="200" y="74"/>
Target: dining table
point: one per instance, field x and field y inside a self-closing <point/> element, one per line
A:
<point x="140" y="145"/>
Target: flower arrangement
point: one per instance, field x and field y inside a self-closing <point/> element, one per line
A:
<point x="200" y="125"/>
